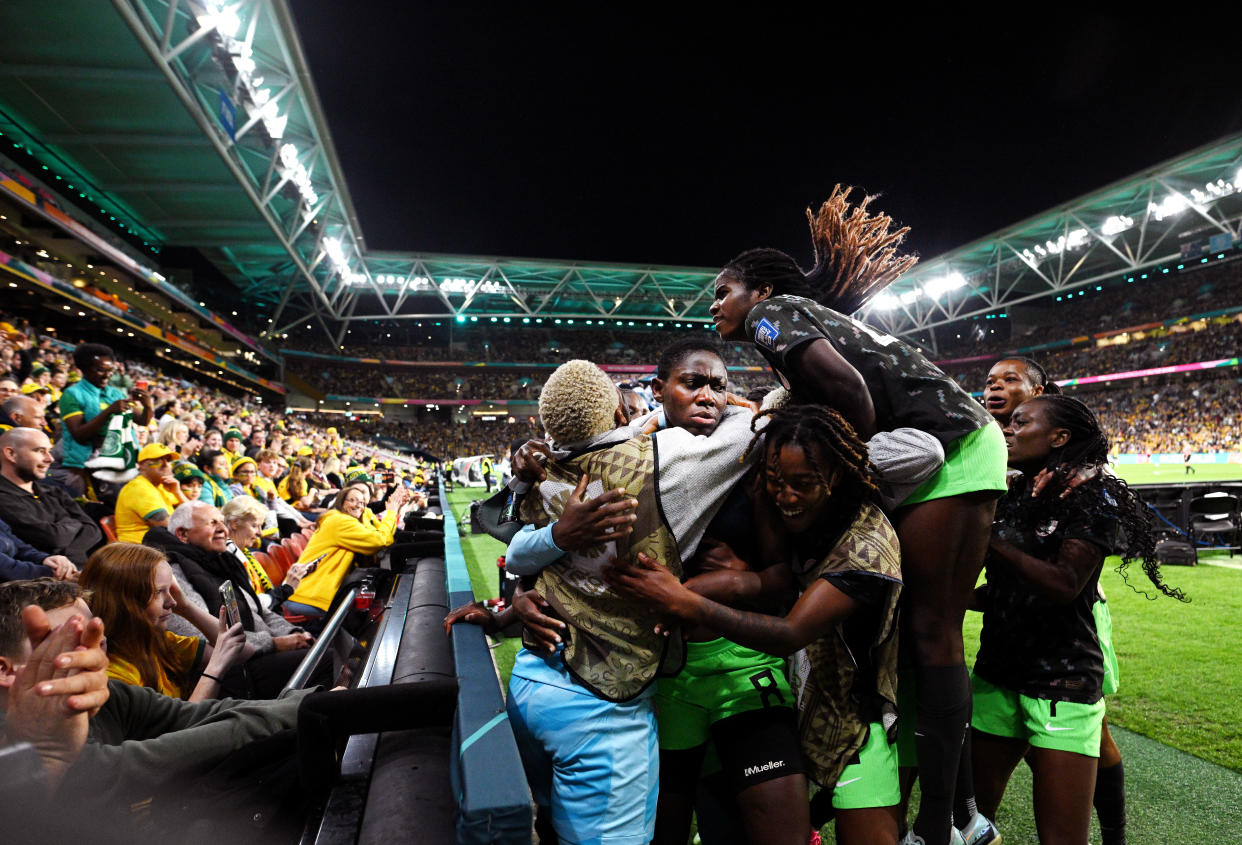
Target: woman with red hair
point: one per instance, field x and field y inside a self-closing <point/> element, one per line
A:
<point x="135" y="594"/>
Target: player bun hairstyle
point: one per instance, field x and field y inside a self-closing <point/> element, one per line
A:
<point x="856" y="257"/>
<point x="1035" y="373"/>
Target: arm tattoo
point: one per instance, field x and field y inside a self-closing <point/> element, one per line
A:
<point x="769" y="634"/>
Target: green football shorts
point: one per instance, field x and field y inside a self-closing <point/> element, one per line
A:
<point x="1044" y="723"/>
<point x="720" y="679"/>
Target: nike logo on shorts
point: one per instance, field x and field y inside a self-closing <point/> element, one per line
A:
<point x="842" y="783"/>
<point x="1048" y="726"/>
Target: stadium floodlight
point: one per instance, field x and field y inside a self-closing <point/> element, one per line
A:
<point x="884" y="302"/>
<point x="937" y="287"/>
<point x="332" y="247"/>
<point x="1073" y="240"/>
<point x="1170" y="206"/>
<point x="1116" y="224"/>
<point x="299" y="176"/>
<point x="273" y="121"/>
<point x="221" y="18"/>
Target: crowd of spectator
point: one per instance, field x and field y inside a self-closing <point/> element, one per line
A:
<point x="501" y="343"/>
<point x="1155" y="299"/>
<point x="348" y="379"/>
<point x="361" y="380"/>
<point x="147" y="502"/>
<point x="1207" y="340"/>
<point x="435" y="434"/>
<point x="1171" y="415"/>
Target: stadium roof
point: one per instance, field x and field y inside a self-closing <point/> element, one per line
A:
<point x="1176" y="212"/>
<point x="195" y="123"/>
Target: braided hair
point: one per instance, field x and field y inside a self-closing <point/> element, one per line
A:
<point x="856" y="257"/>
<point x="831" y="446"/>
<point x="1088" y="447"/>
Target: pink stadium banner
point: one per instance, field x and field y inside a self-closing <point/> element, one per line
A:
<point x="1154" y="371"/>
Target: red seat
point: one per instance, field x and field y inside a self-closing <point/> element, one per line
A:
<point x="270" y="567"/>
<point x="283" y="559"/>
<point x="295" y="543"/>
<point x="108" y="524"/>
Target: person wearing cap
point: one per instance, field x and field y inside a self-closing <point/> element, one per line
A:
<point x="245" y="471"/>
<point x="191" y="479"/>
<point x="149" y="498"/>
<point x="245" y="477"/>
<point x="234" y="443"/>
<point x="40" y="393"/>
<point x="39" y="374"/>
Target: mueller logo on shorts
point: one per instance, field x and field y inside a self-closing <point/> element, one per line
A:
<point x="766" y="767"/>
<point x="766" y="334"/>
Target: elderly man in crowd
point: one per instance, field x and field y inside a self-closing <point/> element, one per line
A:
<point x="42" y="515"/>
<point x="195" y="541"/>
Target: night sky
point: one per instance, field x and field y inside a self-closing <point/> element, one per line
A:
<point x="649" y="137"/>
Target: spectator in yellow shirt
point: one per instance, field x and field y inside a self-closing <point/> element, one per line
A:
<point x="135" y="594"/>
<point x="341" y="534"/>
<point x="150" y="498"/>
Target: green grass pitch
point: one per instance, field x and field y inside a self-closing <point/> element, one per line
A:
<point x="1176" y="474"/>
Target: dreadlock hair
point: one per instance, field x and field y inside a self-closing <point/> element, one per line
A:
<point x="766" y="266"/>
<point x="856" y="257"/>
<point x="1088" y="447"/>
<point x="679" y="350"/>
<point x="831" y="445"/>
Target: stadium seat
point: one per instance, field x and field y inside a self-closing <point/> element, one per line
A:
<point x="295" y="543"/>
<point x="283" y="559"/>
<point x="108" y="524"/>
<point x="270" y="567"/>
<point x="1213" y="517"/>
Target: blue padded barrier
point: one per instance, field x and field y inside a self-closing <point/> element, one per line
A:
<point x="493" y="800"/>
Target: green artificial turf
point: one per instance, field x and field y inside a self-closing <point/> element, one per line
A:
<point x="1171" y="797"/>
<point x="1176" y="474"/>
<point x="480" y="552"/>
